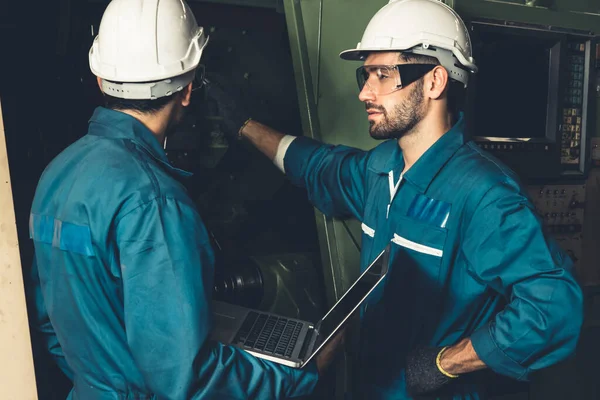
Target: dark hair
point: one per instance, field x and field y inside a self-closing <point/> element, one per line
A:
<point x="456" y="90"/>
<point x="141" y="106"/>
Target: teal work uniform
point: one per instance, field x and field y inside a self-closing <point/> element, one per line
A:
<point x="124" y="278"/>
<point x="469" y="258"/>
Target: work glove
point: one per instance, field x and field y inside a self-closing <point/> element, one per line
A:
<point x="230" y="105"/>
<point x="423" y="375"/>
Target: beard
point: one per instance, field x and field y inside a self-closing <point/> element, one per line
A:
<point x="403" y="118"/>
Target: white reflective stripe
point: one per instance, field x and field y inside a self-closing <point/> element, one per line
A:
<point x="367" y="230"/>
<point x="391" y="184"/>
<point x="393" y="190"/>
<point x="399" y="240"/>
<point x="284" y="144"/>
<point x="393" y="187"/>
<point x="445" y="220"/>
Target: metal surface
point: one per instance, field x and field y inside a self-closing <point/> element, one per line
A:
<point x="340" y="257"/>
<point x="319" y="51"/>
<point x="246" y="3"/>
<point x="291" y="285"/>
<point x="587" y="121"/>
<point x="561" y="208"/>
<point x="311" y="128"/>
<point x="561" y="17"/>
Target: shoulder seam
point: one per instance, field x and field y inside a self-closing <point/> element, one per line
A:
<point x="480" y="154"/>
<point x="130" y="145"/>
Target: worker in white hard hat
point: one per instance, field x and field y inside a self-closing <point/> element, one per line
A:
<point x="475" y="287"/>
<point x="123" y="263"/>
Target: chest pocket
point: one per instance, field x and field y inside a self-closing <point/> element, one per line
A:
<point x="419" y="251"/>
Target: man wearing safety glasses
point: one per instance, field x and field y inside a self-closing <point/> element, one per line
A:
<point x="474" y="283"/>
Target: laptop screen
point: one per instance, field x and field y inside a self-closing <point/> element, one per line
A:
<point x="353" y="297"/>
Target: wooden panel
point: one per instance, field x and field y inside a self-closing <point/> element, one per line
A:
<point x="17" y="377"/>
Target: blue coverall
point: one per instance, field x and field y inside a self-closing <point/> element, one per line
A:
<point x="125" y="276"/>
<point x="469" y="258"/>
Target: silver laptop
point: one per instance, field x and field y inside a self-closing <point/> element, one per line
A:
<point x="291" y="341"/>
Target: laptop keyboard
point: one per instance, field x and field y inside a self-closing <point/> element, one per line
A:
<point x="269" y="334"/>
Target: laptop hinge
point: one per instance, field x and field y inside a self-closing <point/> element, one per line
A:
<point x="308" y="344"/>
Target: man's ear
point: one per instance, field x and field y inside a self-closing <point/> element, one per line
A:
<point x="437" y="83"/>
<point x="99" y="83"/>
<point x="186" y="94"/>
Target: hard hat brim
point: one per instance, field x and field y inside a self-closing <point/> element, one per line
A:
<point x="352" y="54"/>
<point x="361" y="54"/>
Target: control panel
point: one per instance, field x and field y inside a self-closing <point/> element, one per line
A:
<point x="571" y="127"/>
<point x="561" y="208"/>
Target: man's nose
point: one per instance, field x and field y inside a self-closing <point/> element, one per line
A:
<point x="366" y="94"/>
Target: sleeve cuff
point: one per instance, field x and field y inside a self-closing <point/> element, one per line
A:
<point x="305" y="379"/>
<point x="282" y="150"/>
<point x="494" y="357"/>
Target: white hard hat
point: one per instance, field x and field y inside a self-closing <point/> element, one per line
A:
<point x="146" y="49"/>
<point x="427" y="27"/>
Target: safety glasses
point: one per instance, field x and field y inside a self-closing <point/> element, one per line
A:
<point x="199" y="78"/>
<point x="385" y="79"/>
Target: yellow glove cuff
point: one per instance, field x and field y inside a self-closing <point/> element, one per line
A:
<point x="438" y="362"/>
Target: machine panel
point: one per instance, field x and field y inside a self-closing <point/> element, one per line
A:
<point x="561" y="208"/>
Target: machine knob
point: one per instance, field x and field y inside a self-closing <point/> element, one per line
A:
<point x="242" y="285"/>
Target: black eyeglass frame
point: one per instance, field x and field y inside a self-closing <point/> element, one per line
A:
<point x="408" y="74"/>
<point x="199" y="78"/>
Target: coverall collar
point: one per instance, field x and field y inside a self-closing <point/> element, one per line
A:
<point x="117" y="125"/>
<point x="421" y="174"/>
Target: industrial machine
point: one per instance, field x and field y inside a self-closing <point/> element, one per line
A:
<point x="538" y="62"/>
<point x="561" y="208"/>
<point x="533" y="102"/>
<point x="533" y="106"/>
